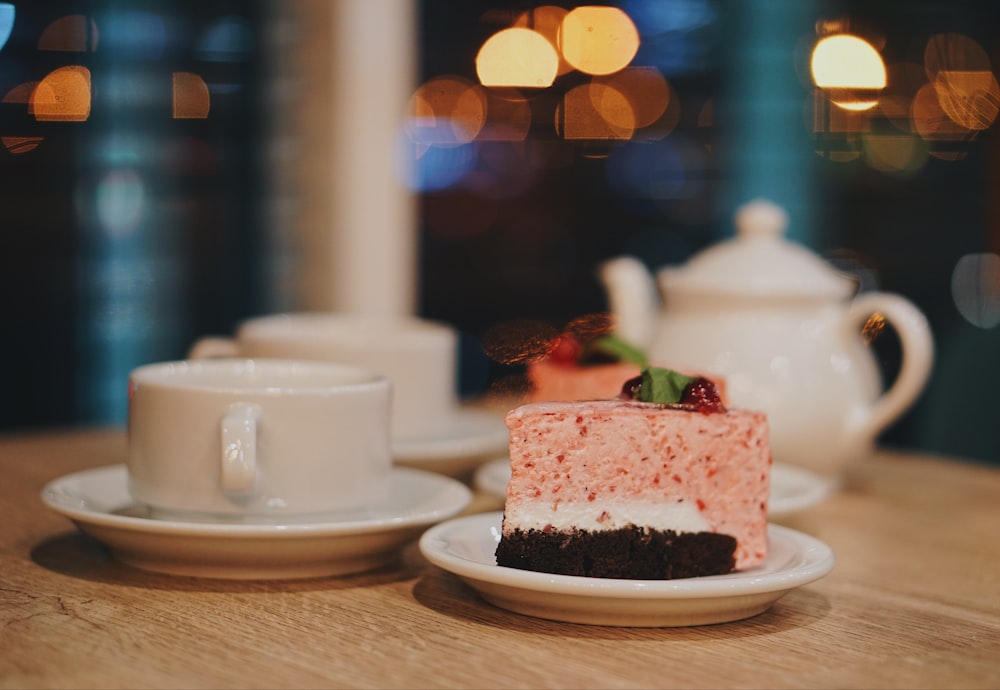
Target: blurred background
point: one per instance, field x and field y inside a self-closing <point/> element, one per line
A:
<point x="171" y="168"/>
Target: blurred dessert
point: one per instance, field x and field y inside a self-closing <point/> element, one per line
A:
<point x="591" y="370"/>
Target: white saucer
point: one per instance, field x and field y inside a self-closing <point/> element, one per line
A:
<point x="792" y="488"/>
<point x="465" y="546"/>
<point x="98" y="501"/>
<point x="474" y="434"/>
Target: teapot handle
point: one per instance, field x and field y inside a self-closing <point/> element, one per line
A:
<point x="917" y="346"/>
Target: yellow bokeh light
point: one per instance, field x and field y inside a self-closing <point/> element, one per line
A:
<point x="598" y="40"/>
<point x="517" y="57"/>
<point x="849" y="69"/>
<point x="63" y="95"/>
<point x="191" y="96"/>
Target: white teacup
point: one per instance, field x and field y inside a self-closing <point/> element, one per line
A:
<point x="256" y="438"/>
<point x="417" y="355"/>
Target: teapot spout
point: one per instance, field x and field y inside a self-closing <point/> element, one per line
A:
<point x="632" y="297"/>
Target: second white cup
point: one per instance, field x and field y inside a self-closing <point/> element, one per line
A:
<point x="418" y="356"/>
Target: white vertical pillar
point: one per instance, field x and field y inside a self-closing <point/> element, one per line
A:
<point x="373" y="260"/>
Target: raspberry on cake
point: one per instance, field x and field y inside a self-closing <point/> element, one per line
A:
<point x="625" y="488"/>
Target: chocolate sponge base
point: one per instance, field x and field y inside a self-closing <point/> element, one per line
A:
<point x="631" y="552"/>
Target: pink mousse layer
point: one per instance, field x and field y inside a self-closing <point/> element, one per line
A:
<point x="598" y="458"/>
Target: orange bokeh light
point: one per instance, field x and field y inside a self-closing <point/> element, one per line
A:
<point x="646" y="90"/>
<point x="447" y="111"/>
<point x="546" y="20"/>
<point x="190" y="96"/>
<point x="595" y="112"/>
<point x="71" y="33"/>
<point x="63" y="95"/>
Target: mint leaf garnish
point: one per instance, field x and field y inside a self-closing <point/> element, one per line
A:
<point x="619" y="349"/>
<point x="664" y="386"/>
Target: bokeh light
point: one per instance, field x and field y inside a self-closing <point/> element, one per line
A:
<point x="432" y="168"/>
<point x="446" y="111"/>
<point x="931" y="122"/>
<point x="975" y="287"/>
<point x="646" y="91"/>
<point x="970" y="98"/>
<point x="120" y="202"/>
<point x="899" y="154"/>
<point x="63" y="95"/>
<point x="7" y="14"/>
<point x="191" y="99"/>
<point x="70" y="33"/>
<point x="598" y="40"/>
<point x="595" y="111"/>
<point x="517" y="57"/>
<point x="547" y="21"/>
<point x="21" y="143"/>
<point x="849" y="69"/>
<point x="676" y="36"/>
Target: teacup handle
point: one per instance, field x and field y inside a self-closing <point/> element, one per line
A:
<point x="239" y="449"/>
<point x="917" y="346"/>
<point x="212" y="346"/>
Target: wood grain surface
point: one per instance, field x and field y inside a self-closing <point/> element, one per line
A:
<point x="913" y="601"/>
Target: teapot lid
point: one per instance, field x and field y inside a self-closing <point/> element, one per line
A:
<point x="759" y="261"/>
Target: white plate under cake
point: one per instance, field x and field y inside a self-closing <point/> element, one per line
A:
<point x="465" y="546"/>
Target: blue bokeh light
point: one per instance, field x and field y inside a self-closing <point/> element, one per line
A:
<point x="7" y="13"/>
<point x="438" y="167"/>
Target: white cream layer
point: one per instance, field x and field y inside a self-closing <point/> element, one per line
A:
<point x="680" y="516"/>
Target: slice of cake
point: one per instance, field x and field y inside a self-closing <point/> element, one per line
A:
<point x="625" y="488"/>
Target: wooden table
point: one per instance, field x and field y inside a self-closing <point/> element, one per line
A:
<point x="914" y="601"/>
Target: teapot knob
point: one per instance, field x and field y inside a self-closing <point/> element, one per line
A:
<point x="760" y="218"/>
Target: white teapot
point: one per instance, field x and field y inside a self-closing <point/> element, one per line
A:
<point x="781" y="326"/>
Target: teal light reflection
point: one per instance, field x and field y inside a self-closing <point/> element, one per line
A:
<point x="6" y="22"/>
